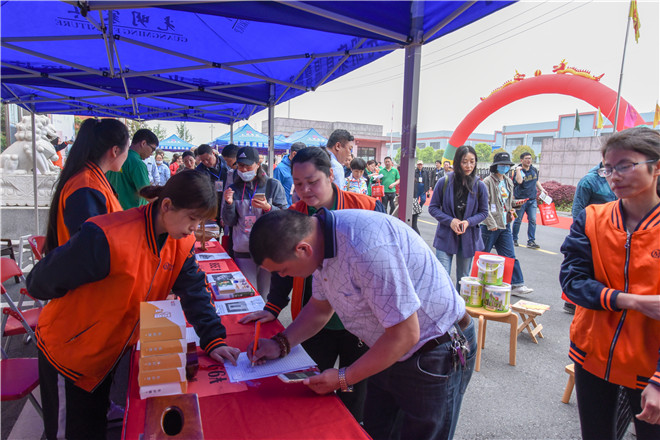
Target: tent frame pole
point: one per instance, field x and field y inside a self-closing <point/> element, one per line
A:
<point x="35" y="184"/>
<point x="410" y="108"/>
<point x="271" y="130"/>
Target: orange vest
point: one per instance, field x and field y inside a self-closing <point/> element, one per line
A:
<point x="84" y="333"/>
<point x="345" y="200"/>
<point x="619" y="346"/>
<point x="89" y="177"/>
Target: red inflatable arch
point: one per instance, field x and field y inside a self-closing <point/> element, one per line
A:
<point x="588" y="90"/>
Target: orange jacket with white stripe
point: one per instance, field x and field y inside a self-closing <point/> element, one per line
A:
<point x="601" y="260"/>
<point x="96" y="282"/>
<point x="85" y="195"/>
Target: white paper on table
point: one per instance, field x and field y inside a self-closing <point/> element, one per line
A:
<point x="213" y="278"/>
<point x="191" y="336"/>
<point x="298" y="359"/>
<point x="240" y="305"/>
<point x="208" y="256"/>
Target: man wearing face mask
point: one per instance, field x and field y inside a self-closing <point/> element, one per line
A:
<point x="496" y="228"/>
<point x="251" y="194"/>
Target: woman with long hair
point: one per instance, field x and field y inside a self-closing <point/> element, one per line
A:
<point x="82" y="190"/>
<point x="459" y="204"/>
<point x="611" y="272"/>
<point x="312" y="175"/>
<point x="96" y="282"/>
<point x="250" y="195"/>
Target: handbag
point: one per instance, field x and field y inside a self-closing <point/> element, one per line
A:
<point x="377" y="190"/>
<point x="417" y="209"/>
<point x="548" y="214"/>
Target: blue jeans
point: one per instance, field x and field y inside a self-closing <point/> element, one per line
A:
<point x="503" y="242"/>
<point x="529" y="207"/>
<point x="421" y="194"/>
<point x="463" y="264"/>
<point x="419" y="398"/>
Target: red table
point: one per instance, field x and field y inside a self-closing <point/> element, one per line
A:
<point x="268" y="409"/>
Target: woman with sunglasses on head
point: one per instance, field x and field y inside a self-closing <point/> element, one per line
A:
<point x="82" y="190"/>
<point x="611" y="270"/>
<point x="96" y="282"/>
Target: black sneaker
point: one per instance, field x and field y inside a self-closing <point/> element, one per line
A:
<point x="515" y="243"/>
<point x="532" y="245"/>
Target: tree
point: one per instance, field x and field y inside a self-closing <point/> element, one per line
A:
<point x="439" y="154"/>
<point x="135" y="125"/>
<point x="492" y="155"/>
<point x="159" y="131"/>
<point x="520" y="149"/>
<point x="183" y="132"/>
<point x="483" y="152"/>
<point x="426" y="155"/>
<point x="397" y="156"/>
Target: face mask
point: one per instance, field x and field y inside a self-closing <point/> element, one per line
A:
<point x="247" y="176"/>
<point x="503" y="169"/>
<point x="159" y="162"/>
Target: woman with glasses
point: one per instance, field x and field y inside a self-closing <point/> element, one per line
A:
<point x="611" y="270"/>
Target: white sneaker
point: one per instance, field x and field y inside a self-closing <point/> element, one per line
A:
<point x="521" y="291"/>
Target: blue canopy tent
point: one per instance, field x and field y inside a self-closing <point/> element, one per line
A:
<point x="174" y="143"/>
<point x="309" y="137"/>
<point x="246" y="136"/>
<point x="212" y="61"/>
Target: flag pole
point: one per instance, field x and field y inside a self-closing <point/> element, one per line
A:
<point x="623" y="59"/>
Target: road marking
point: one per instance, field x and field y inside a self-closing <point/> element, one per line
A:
<point x="538" y="250"/>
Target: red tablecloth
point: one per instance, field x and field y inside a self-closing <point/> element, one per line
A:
<point x="268" y="409"/>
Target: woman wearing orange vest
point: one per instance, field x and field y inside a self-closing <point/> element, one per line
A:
<point x="611" y="270"/>
<point x="312" y="180"/>
<point x="82" y="191"/>
<point x="96" y="282"/>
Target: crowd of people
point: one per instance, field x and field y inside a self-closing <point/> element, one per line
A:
<point x="372" y="304"/>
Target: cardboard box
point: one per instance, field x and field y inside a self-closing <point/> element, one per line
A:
<point x="162" y="320"/>
<point x="161" y="362"/>
<point x="152" y="348"/>
<point x="163" y="389"/>
<point x="154" y="377"/>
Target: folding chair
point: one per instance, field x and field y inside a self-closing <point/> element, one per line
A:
<point x="14" y="321"/>
<point x="37" y="243"/>
<point x="19" y="377"/>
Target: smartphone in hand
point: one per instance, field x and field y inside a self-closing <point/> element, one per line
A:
<point x="297" y="376"/>
<point x="260" y="196"/>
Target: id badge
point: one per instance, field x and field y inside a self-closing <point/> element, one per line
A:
<point x="249" y="222"/>
<point x="493" y="207"/>
<point x="420" y="180"/>
<point x="218" y="185"/>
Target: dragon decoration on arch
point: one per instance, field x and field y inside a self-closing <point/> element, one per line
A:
<point x="561" y="69"/>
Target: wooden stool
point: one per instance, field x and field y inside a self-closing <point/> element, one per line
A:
<point x="486" y="315"/>
<point x="528" y="312"/>
<point x="570" y="369"/>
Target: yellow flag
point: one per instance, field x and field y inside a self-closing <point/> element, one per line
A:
<point x="599" y="124"/>
<point x="656" y="118"/>
<point x="635" y="18"/>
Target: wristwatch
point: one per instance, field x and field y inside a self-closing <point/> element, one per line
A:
<point x="345" y="387"/>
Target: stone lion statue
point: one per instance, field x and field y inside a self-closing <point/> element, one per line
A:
<point x="17" y="158"/>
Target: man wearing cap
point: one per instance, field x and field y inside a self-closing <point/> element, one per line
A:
<point x="250" y="195"/>
<point x="422" y="183"/>
<point x="525" y="184"/>
<point x="283" y="170"/>
<point x="339" y="147"/>
<point x="496" y="228"/>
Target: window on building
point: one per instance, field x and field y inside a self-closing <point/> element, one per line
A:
<point x="366" y="153"/>
<point x="537" y="142"/>
<point x="421" y="145"/>
<point x="436" y="145"/>
<point x="397" y="146"/>
<point x="514" y="142"/>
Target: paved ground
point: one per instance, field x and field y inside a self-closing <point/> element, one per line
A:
<point x="501" y="402"/>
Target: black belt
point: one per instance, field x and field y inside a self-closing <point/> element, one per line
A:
<point x="242" y="255"/>
<point x="439" y="340"/>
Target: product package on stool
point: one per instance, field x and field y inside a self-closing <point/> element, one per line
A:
<point x="173" y="417"/>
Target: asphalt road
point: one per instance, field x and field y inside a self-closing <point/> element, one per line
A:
<point x="501" y="401"/>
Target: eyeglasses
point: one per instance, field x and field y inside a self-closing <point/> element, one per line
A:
<point x="153" y="147"/>
<point x="622" y="169"/>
